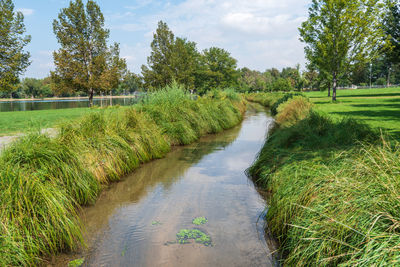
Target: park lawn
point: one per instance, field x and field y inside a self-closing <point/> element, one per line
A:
<point x="380" y="108"/>
<point x="22" y="121"/>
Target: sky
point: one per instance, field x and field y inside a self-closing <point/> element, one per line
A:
<point x="260" y="34"/>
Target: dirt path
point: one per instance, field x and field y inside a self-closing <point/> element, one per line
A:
<point x="6" y="140"/>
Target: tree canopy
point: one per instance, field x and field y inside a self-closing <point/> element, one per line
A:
<point x="85" y="62"/>
<point x="340" y="34"/>
<point x="13" y="59"/>
<point x="171" y="59"/>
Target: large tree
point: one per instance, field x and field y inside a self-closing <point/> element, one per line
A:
<point x="339" y="34"/>
<point x="13" y="59"/>
<point x="218" y="69"/>
<point x="84" y="62"/>
<point x="171" y="59"/>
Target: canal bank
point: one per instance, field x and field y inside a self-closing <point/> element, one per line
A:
<point x="136" y="221"/>
<point x="57" y="175"/>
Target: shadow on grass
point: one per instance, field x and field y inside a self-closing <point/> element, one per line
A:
<point x="369" y="95"/>
<point x="381" y="114"/>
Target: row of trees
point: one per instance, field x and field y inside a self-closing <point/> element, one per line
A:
<point x="177" y="59"/>
<point x="347" y="42"/>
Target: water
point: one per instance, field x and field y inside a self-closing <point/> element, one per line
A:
<point x="62" y="103"/>
<point x="135" y="222"/>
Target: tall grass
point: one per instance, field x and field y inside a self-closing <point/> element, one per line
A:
<point x="335" y="187"/>
<point x="43" y="180"/>
<point x="265" y="99"/>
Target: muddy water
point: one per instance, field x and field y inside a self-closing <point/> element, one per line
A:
<point x="135" y="222"/>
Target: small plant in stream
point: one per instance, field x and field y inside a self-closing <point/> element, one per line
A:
<point x="185" y="235"/>
<point x="200" y="220"/>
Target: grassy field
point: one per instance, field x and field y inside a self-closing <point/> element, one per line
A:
<point x="21" y="121"/>
<point x="380" y="108"/>
<point x="334" y="183"/>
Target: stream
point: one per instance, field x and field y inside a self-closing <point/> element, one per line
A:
<point x="135" y="222"/>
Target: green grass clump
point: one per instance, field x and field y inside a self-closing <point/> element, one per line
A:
<point x="199" y="220"/>
<point x="283" y="99"/>
<point x="265" y="99"/>
<point x="44" y="180"/>
<point x="185" y="235"/>
<point x="335" y="186"/>
<point x="293" y="110"/>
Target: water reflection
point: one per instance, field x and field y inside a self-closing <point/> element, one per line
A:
<point x="203" y="179"/>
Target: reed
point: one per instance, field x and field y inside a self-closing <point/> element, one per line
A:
<point x="44" y="181"/>
<point x="335" y="188"/>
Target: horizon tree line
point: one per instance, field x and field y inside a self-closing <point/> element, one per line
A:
<point x="346" y="42"/>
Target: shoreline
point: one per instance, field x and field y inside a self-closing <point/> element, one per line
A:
<point x="63" y="98"/>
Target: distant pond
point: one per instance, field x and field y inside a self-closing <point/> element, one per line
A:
<point x="25" y="105"/>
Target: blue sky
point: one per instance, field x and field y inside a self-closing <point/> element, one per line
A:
<point x="260" y="34"/>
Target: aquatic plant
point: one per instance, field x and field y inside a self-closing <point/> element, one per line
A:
<point x="76" y="263"/>
<point x="199" y="220"/>
<point x="185" y="235"/>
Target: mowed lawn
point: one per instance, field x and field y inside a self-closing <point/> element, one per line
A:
<point x="379" y="108"/>
<point x="22" y="121"/>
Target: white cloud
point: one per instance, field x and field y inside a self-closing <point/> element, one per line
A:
<point x="260" y="33"/>
<point x="26" y="11"/>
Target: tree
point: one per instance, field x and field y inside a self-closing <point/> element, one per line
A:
<point x="13" y="59"/>
<point x="114" y="70"/>
<point x="171" y="59"/>
<point x="339" y="34"/>
<point x="84" y="62"/>
<point x="217" y="70"/>
<point x="252" y="80"/>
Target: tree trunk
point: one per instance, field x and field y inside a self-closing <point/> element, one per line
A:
<point x="334" y="85"/>
<point x="388" y="78"/>
<point x="91" y="92"/>
<point x="111" y="98"/>
<point x="329" y="90"/>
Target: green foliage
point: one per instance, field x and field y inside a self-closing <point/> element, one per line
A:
<point x="43" y="180"/>
<point x="217" y="70"/>
<point x="340" y="34"/>
<point x="391" y="24"/>
<point x="13" y="59"/>
<point x="199" y="220"/>
<point x="265" y="99"/>
<point x="293" y="110"/>
<point x="184" y="236"/>
<point x="282" y="84"/>
<point x="283" y="99"/>
<point x="76" y="263"/>
<point x="334" y="192"/>
<point x="172" y="59"/>
<point x="84" y="62"/>
<point x="34" y="88"/>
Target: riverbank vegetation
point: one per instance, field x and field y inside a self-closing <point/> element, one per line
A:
<point x="45" y="180"/>
<point x="334" y="187"/>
